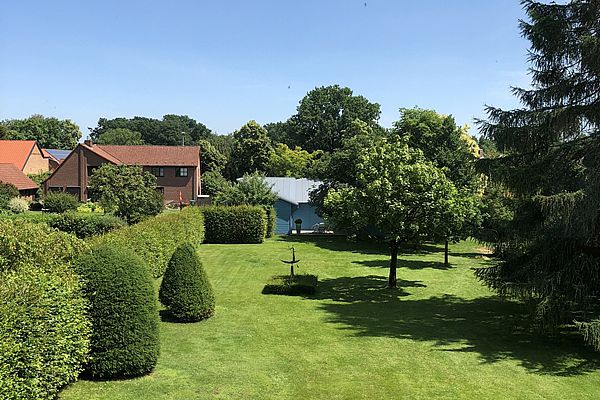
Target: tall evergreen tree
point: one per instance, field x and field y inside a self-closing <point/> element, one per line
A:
<point x="552" y="168"/>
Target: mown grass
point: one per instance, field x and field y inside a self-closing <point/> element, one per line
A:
<point x="440" y="335"/>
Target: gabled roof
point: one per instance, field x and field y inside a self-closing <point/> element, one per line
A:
<point x="9" y="173"/>
<point x="16" y="152"/>
<point x="175" y="156"/>
<point x="292" y="190"/>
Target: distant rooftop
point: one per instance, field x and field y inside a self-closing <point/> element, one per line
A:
<point x="59" y="154"/>
<point x="292" y="190"/>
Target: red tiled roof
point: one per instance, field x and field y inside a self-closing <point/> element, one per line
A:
<point x="187" y="156"/>
<point x="16" y="151"/>
<point x="9" y="173"/>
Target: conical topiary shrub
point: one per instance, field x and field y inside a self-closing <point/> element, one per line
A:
<point x="123" y="311"/>
<point x="185" y="289"/>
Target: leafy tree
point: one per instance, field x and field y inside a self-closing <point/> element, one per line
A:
<point x="279" y="132"/>
<point x="50" y="132"/>
<point x="251" y="149"/>
<point x="172" y="130"/>
<point x="120" y="136"/>
<point x="450" y="148"/>
<point x="291" y="162"/>
<point x="251" y="190"/>
<point x="324" y="117"/>
<point x="551" y="255"/>
<point x="126" y="190"/>
<point x="213" y="183"/>
<point x="340" y="168"/>
<point x="398" y="192"/>
<point x="211" y="159"/>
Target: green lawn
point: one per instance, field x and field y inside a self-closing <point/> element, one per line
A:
<point x="441" y="335"/>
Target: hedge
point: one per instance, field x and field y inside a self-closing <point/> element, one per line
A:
<point x="85" y="225"/>
<point x="123" y="311"/>
<point x="291" y="286"/>
<point x="44" y="331"/>
<point x="271" y="220"/>
<point x="154" y="240"/>
<point x="235" y="224"/>
<point x="185" y="289"/>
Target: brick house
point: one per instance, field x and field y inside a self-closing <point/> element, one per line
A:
<point x="177" y="168"/>
<point x="9" y="173"/>
<point x="26" y="155"/>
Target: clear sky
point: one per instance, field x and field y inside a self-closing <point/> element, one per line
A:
<point x="226" y="62"/>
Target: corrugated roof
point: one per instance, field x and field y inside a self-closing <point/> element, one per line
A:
<point x="10" y="173"/>
<point x="186" y="156"/>
<point x="16" y="151"/>
<point x="292" y="190"/>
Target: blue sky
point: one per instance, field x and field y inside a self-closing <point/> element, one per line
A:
<point x="226" y="62"/>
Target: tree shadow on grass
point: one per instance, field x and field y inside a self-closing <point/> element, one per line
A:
<point x="488" y="326"/>
<point x="409" y="264"/>
<point x="338" y="243"/>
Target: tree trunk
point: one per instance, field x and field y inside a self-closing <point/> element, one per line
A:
<point x="446" y="254"/>
<point x="393" y="263"/>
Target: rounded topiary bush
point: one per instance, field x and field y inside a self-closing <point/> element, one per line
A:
<point x="123" y="311"/>
<point x="185" y="289"/>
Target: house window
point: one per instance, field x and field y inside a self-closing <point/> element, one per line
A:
<point x="181" y="172"/>
<point x="158" y="171"/>
<point x="91" y="169"/>
<point x="55" y="189"/>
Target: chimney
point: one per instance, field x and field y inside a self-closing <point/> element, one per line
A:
<point x="88" y="142"/>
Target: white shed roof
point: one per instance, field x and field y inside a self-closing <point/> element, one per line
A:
<point x="292" y="190"/>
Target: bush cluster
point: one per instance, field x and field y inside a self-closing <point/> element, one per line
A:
<point x="235" y="224"/>
<point x="271" y="220"/>
<point x="7" y="191"/>
<point x="85" y="225"/>
<point x="155" y="239"/>
<point x="291" y="286"/>
<point x="18" y="205"/>
<point x="60" y="202"/>
<point x="44" y="332"/>
<point x="185" y="289"/>
<point x="123" y="312"/>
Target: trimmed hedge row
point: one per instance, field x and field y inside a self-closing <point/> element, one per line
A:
<point x="154" y="240"/>
<point x="235" y="224"/>
<point x="44" y="331"/>
<point x="123" y="311"/>
<point x="291" y="286"/>
<point x="85" y="225"/>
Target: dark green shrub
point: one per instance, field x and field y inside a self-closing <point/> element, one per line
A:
<point x="123" y="312"/>
<point x="291" y="286"/>
<point x="44" y="331"/>
<point x="185" y="289"/>
<point x="154" y="240"/>
<point x="60" y="202"/>
<point x="235" y="224"/>
<point x="86" y="225"/>
<point x="271" y="220"/>
<point x="7" y="191"/>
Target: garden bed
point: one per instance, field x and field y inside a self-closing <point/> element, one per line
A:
<point x="291" y="286"/>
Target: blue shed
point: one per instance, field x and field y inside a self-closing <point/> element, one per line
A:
<point x="293" y="203"/>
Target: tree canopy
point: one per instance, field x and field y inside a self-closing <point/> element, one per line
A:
<point x="127" y="191"/>
<point x="120" y="136"/>
<point x="50" y="132"/>
<point x="399" y="193"/>
<point x="172" y="130"/>
<point x="551" y="168"/>
<point x="251" y="150"/>
<point x="324" y="116"/>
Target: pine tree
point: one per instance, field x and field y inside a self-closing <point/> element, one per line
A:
<point x="551" y="250"/>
